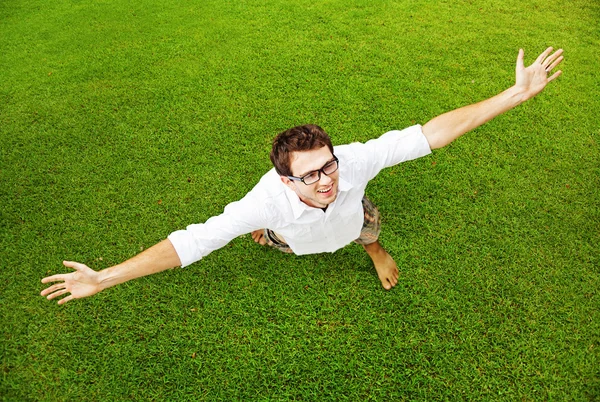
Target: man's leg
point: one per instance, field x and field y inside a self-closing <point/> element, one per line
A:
<point x="384" y="264"/>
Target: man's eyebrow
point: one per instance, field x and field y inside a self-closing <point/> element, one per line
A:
<point x="310" y="171"/>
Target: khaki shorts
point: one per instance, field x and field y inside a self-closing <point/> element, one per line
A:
<point x="368" y="234"/>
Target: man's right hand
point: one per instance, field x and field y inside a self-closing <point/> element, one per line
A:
<point x="86" y="282"/>
<point x="83" y="282"/>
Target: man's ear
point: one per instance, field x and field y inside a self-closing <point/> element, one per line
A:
<point x="287" y="182"/>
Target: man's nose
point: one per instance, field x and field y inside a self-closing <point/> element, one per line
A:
<point x="325" y="180"/>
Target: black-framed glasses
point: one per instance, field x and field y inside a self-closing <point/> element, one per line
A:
<point x="314" y="176"/>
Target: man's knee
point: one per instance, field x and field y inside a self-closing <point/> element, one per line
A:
<point x="371" y="224"/>
<point x="276" y="241"/>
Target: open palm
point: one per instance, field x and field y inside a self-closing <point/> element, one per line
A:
<point x="83" y="282"/>
<point x="534" y="78"/>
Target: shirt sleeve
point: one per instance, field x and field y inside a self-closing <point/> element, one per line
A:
<point x="199" y="240"/>
<point x="390" y="149"/>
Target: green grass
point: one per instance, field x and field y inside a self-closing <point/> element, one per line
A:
<point x="123" y="121"/>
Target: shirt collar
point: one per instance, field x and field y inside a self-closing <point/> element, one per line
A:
<point x="298" y="207"/>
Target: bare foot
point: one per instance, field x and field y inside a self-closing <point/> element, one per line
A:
<point x="259" y="236"/>
<point x="384" y="265"/>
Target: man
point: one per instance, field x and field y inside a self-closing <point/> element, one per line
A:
<point x="313" y="200"/>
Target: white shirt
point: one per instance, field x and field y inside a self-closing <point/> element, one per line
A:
<point x="307" y="230"/>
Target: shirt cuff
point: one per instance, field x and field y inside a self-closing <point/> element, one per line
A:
<point x="185" y="247"/>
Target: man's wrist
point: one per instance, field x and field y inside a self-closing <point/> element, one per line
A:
<point x="107" y="278"/>
<point x="516" y="95"/>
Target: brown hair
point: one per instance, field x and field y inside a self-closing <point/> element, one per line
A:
<point x="296" y="139"/>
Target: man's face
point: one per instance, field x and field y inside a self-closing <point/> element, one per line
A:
<point x="324" y="191"/>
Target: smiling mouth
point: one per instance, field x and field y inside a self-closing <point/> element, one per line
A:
<point x="325" y="190"/>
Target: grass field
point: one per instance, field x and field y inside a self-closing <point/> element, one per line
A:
<point x="121" y="122"/>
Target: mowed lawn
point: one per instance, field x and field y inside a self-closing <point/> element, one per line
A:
<point x="121" y="122"/>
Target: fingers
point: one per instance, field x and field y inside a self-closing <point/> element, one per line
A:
<point x="63" y="287"/>
<point x="520" y="64"/>
<point x="258" y="237"/>
<point x="75" y="265"/>
<point x="57" y="290"/>
<point x="557" y="59"/>
<point x="66" y="299"/>
<point x="61" y="277"/>
<point x="53" y="288"/>
<point x="551" y="61"/>
<point x="543" y="56"/>
<point x="555" y="75"/>
<point x="57" y="293"/>
<point x="54" y="278"/>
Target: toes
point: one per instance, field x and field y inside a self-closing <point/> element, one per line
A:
<point x="390" y="281"/>
<point x="387" y="270"/>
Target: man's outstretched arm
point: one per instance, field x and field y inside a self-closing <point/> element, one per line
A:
<point x="443" y="129"/>
<point x="86" y="282"/>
